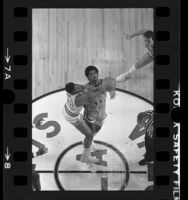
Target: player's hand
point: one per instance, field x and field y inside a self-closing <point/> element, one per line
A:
<point x="85" y="90"/>
<point x="112" y="94"/>
<point x="123" y="77"/>
<point x="101" y="89"/>
<point x="128" y="37"/>
<point x="40" y="122"/>
<point x="42" y="150"/>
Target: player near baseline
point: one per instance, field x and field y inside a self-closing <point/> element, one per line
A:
<point x="146" y="119"/>
<point x="146" y="59"/>
<point x="36" y="185"/>
<point x="35" y="175"/>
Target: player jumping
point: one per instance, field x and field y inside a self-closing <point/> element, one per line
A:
<point x="146" y="59"/>
<point x="77" y="96"/>
<point x="94" y="111"/>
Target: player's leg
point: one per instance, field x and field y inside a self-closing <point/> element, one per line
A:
<point x="84" y="129"/>
<point x="90" y="118"/>
<point x="91" y="125"/>
<point x="94" y="120"/>
<point x="149" y="155"/>
<point x="97" y="128"/>
<point x="99" y="123"/>
<point x="80" y="125"/>
<point x="143" y="161"/>
<point x="36" y="180"/>
<point x="149" y="158"/>
<point x="149" y="148"/>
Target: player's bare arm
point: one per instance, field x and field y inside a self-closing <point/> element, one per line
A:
<point x="145" y="60"/>
<point x="112" y="94"/>
<point x="137" y="33"/>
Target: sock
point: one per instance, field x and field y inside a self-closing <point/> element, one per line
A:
<point x="86" y="152"/>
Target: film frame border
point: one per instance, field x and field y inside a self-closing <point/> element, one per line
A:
<point x="17" y="92"/>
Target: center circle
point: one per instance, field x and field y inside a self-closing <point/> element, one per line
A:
<point x="111" y="147"/>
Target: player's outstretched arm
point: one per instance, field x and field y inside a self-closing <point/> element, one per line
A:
<point x="141" y="63"/>
<point x="137" y="33"/>
<point x="112" y="94"/>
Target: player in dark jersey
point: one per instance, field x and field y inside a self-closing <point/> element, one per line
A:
<point x="146" y="59"/>
<point x="42" y="150"/>
<point x="95" y="111"/>
<point x="77" y="97"/>
<point x="35" y="175"/>
<point x="146" y="119"/>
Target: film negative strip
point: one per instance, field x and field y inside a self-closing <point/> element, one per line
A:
<point x="72" y="69"/>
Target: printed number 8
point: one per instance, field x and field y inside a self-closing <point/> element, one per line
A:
<point x="7" y="165"/>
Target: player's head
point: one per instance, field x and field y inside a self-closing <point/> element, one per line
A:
<point x="91" y="72"/>
<point x="73" y="88"/>
<point x="148" y="38"/>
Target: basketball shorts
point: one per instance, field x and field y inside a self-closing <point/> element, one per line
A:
<point x="73" y="119"/>
<point x="95" y="117"/>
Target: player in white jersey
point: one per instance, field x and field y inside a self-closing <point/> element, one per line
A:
<point x="77" y="96"/>
<point x="146" y="59"/>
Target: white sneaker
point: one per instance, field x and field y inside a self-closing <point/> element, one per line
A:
<point x="92" y="168"/>
<point x="89" y="160"/>
<point x="93" y="147"/>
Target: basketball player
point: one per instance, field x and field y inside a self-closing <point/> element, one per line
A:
<point x="94" y="111"/>
<point x="35" y="174"/>
<point x="146" y="59"/>
<point x="146" y="119"/>
<point x="77" y="96"/>
<point x="42" y="150"/>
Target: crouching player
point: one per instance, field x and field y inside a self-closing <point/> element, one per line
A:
<point x="77" y="96"/>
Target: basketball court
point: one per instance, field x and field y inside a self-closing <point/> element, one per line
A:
<point x="118" y="147"/>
